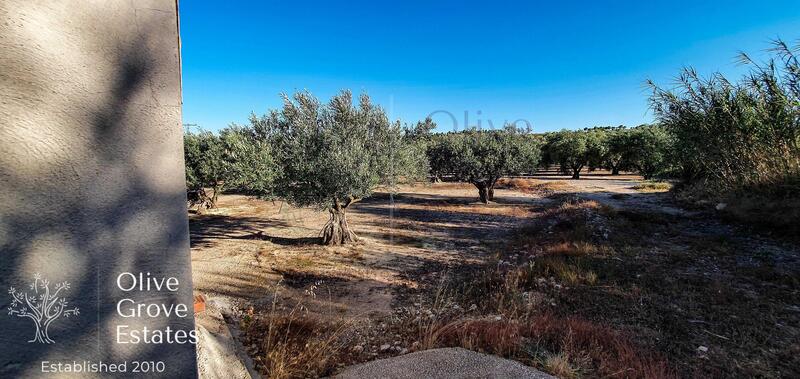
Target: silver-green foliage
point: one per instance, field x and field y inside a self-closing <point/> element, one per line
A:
<point x="332" y="152"/>
<point x="332" y="155"/>
<point x="232" y="159"/>
<point x="483" y="157"/>
<point x="575" y="149"/>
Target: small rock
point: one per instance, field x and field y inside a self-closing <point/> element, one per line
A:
<point x="721" y="206"/>
<point x="403" y="351"/>
<point x="702" y="349"/>
<point x="498" y="318"/>
<point x="385" y="347"/>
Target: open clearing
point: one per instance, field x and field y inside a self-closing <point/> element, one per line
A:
<point x="707" y="298"/>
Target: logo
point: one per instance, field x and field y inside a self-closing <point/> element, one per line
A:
<point x="41" y="305"/>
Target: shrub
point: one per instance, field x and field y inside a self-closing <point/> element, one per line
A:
<point x="736" y="135"/>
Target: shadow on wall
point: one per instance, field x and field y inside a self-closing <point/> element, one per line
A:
<point x="93" y="175"/>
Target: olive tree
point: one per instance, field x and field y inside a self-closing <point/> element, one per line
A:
<point x="332" y="155"/>
<point x="252" y="168"/>
<point x="574" y="150"/>
<point x="483" y="157"/>
<point x="648" y="149"/>
<point x="422" y="131"/>
<point x="617" y="144"/>
<point x="206" y="167"/>
<point x="232" y="159"/>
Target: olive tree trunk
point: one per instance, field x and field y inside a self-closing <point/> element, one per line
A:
<point x="483" y="191"/>
<point x="576" y="172"/>
<point x="217" y="188"/>
<point x="490" y="189"/>
<point x="337" y="231"/>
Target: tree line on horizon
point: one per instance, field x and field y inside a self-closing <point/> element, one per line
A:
<point x="724" y="137"/>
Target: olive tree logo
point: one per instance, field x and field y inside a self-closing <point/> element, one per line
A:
<point x="41" y="306"/>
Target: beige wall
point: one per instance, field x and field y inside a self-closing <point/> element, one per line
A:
<point x="91" y="172"/>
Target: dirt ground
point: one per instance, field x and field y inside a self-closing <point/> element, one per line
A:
<point x="688" y="285"/>
<point x="241" y="249"/>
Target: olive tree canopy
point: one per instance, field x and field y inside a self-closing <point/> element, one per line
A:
<point x="234" y="158"/>
<point x="483" y="157"/>
<point x="332" y="155"/>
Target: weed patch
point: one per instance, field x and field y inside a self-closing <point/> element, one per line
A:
<point x="652" y="186"/>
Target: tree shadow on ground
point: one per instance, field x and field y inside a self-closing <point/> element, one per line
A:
<point x="204" y="230"/>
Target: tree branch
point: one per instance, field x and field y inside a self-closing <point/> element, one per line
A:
<point x="28" y="315"/>
<point x="46" y="300"/>
<point x="35" y="311"/>
<point x="16" y="297"/>
<point x="351" y="200"/>
<point x="54" y="317"/>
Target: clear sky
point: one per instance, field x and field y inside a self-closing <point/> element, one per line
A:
<point x="556" y="64"/>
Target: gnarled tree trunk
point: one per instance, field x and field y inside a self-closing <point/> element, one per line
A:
<point x="483" y="191"/>
<point x="490" y="189"/>
<point x="336" y="231"/>
<point x="217" y="188"/>
<point x="576" y="172"/>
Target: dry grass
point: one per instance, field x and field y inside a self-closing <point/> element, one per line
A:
<point x="569" y="300"/>
<point x="294" y="343"/>
<point x="567" y="347"/>
<point x="534" y="186"/>
<point x="452" y="185"/>
<point x="294" y="347"/>
<point x="653" y="186"/>
<point x="560" y="366"/>
<point x="676" y="283"/>
<point x="504" y="309"/>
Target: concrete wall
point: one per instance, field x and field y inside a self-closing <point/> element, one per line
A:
<point x="91" y="175"/>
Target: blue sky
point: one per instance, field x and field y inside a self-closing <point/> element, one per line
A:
<point x="568" y="64"/>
